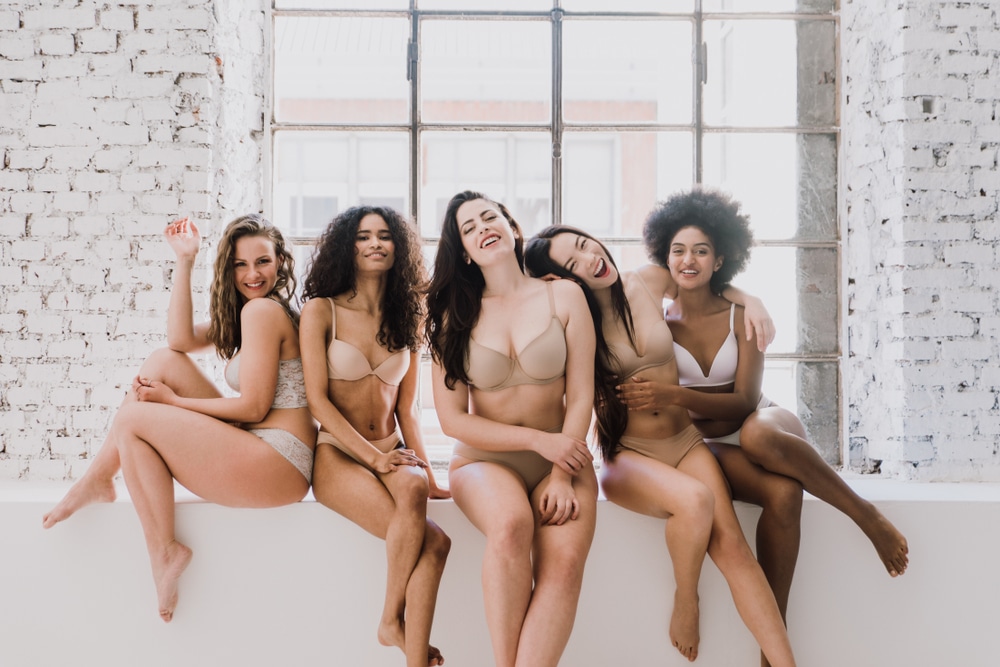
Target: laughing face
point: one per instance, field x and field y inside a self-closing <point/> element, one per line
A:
<point x="486" y="234"/>
<point x="585" y="258"/>
<point x="255" y="266"/>
<point x="692" y="259"/>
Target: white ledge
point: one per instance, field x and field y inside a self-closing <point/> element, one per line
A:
<point x="299" y="585"/>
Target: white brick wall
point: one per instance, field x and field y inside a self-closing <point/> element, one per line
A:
<point x="920" y="197"/>
<point x="113" y="120"/>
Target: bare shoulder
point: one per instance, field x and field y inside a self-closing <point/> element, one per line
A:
<point x="568" y="292"/>
<point x="316" y="307"/>
<point x="264" y="312"/>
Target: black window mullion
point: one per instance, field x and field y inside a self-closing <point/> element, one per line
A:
<point x="557" y="122"/>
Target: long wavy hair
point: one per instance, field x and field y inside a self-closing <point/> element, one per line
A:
<point x="333" y="271"/>
<point x="611" y="412"/>
<point x="226" y="301"/>
<point x="713" y="212"/>
<point x="454" y="296"/>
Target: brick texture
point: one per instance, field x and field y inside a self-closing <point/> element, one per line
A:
<point x="114" y="120"/>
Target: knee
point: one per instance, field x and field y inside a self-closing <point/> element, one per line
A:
<point x="411" y="488"/>
<point x="512" y="537"/>
<point x="697" y="505"/>
<point x="158" y="361"/>
<point x="437" y="544"/>
<point x="783" y="498"/>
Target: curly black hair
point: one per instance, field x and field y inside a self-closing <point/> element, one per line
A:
<point x="333" y="271"/>
<point x="714" y="213"/>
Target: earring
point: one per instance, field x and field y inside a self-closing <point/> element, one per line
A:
<point x="468" y="260"/>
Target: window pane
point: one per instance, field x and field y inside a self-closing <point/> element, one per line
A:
<point x="319" y="174"/>
<point x="483" y="5"/>
<point x="611" y="180"/>
<point x="342" y="4"/>
<point x="673" y="6"/>
<point x="512" y="168"/>
<point x="811" y="6"/>
<point x="788" y="181"/>
<point x="627" y="71"/>
<point x="340" y="70"/>
<point x="756" y="76"/>
<point x="486" y="71"/>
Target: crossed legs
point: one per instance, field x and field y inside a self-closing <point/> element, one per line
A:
<point x="774" y="438"/>
<point x="393" y="507"/>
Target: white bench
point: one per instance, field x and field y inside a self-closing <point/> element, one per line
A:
<point x="300" y="585"/>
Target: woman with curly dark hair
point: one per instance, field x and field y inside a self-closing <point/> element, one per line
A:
<point x="654" y="460"/>
<point x="251" y="450"/>
<point x="360" y="337"/>
<point x="513" y="384"/>
<point x="704" y="240"/>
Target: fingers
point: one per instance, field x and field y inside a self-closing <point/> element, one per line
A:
<point x="406" y="457"/>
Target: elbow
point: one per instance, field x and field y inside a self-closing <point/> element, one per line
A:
<point x="257" y="413"/>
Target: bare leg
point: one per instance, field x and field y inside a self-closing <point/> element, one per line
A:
<point x="779" y="526"/>
<point x="560" y="555"/>
<point x="355" y="492"/>
<point x="176" y="370"/>
<point x="495" y="500"/>
<point x="775" y="439"/>
<point x="731" y="553"/>
<point x="649" y="487"/>
<point x="215" y="460"/>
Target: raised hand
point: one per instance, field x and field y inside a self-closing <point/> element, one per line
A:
<point x="184" y="237"/>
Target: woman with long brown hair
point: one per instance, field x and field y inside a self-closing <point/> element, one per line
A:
<point x="250" y="450"/>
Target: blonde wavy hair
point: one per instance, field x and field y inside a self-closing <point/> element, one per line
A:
<point x="226" y="301"/>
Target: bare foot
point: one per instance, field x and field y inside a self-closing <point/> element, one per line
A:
<point x="888" y="542"/>
<point x="393" y="633"/>
<point x="684" y="633"/>
<point x="81" y="494"/>
<point x="166" y="572"/>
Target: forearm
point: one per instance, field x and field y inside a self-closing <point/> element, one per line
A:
<point x="723" y="406"/>
<point x="180" y="313"/>
<point x="238" y="409"/>
<point x="487" y="434"/>
<point x="333" y="422"/>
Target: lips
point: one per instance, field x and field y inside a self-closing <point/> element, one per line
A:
<point x="257" y="285"/>
<point x="602" y="268"/>
<point x="489" y="240"/>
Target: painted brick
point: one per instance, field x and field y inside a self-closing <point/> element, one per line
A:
<point x="46" y="469"/>
<point x="69" y="158"/>
<point x="12" y="225"/>
<point x="14" y="181"/>
<point x="71" y="201"/>
<point x="24" y="70"/>
<point x="97" y="41"/>
<point x="137" y="182"/>
<point x="190" y="19"/>
<point x="28" y="159"/>
<point x="126" y="135"/>
<point x="49" y="227"/>
<point x="10" y="20"/>
<point x="50" y="182"/>
<point x="65" y="446"/>
<point x="113" y="159"/>
<point x="196" y="64"/>
<point x="49" y="19"/>
<point x="17" y="48"/>
<point x="65" y="68"/>
<point x="115" y="203"/>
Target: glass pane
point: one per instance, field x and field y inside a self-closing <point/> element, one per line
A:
<point x="756" y="76"/>
<point x="771" y="275"/>
<point x="341" y="70"/>
<point x="810" y="6"/>
<point x="512" y="168"/>
<point x="319" y="174"/>
<point x="627" y="71"/>
<point x="485" y="5"/>
<point x="485" y="71"/>
<point x="611" y="180"/>
<point x="342" y="4"/>
<point x="787" y="181"/>
<point x="759" y="171"/>
<point x="674" y="6"/>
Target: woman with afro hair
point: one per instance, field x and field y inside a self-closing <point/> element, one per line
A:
<point x="360" y="335"/>
<point x="704" y="240"/>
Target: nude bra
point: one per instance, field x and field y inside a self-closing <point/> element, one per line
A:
<point x="723" y="370"/>
<point x="346" y="362"/>
<point x="290" y="390"/>
<point x="658" y="341"/>
<point x="541" y="361"/>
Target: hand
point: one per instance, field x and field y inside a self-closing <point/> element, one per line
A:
<point x="389" y="461"/>
<point x="549" y="277"/>
<point x="567" y="452"/>
<point x="756" y="320"/>
<point x="639" y="394"/>
<point x="557" y="502"/>
<point x="152" y="391"/>
<point x="184" y="237"/>
<point x="434" y="491"/>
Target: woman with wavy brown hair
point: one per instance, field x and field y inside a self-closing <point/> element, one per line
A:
<point x="360" y="342"/>
<point x="250" y="450"/>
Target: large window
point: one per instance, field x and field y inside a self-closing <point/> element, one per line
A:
<point x="583" y="112"/>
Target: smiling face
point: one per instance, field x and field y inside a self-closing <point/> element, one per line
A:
<point x="585" y="258"/>
<point x="692" y="259"/>
<point x="486" y="234"/>
<point x="255" y="266"/>
<point x="374" y="249"/>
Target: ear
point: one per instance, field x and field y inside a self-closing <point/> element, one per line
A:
<point x="466" y="258"/>
<point x="718" y="263"/>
